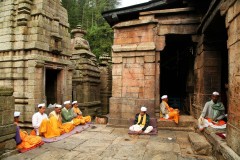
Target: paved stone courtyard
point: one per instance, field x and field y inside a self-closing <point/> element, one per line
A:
<point x="102" y="143"/>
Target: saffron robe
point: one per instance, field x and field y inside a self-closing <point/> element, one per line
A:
<point x="84" y="119"/>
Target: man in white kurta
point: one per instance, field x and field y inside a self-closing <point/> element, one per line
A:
<point x="141" y="123"/>
<point x="212" y="110"/>
<point x="38" y="117"/>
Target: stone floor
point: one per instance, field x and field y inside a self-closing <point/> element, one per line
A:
<point x="102" y="143"/>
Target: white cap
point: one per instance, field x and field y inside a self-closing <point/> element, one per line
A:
<point x="41" y="105"/>
<point x="17" y="114"/>
<point x="74" y="102"/>
<point x="143" y="109"/>
<point x="215" y="93"/>
<point x="67" y="102"/>
<point x="58" y="106"/>
<point x="164" y="97"/>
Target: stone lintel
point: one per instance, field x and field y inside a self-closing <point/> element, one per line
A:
<point x="135" y="23"/>
<point x="167" y="11"/>
<point x="4" y="91"/>
<point x="180" y="21"/>
<point x="148" y="46"/>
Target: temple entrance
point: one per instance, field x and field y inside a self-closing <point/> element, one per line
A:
<point x="53" y="86"/>
<point x="176" y="71"/>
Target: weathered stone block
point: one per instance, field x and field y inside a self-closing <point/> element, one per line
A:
<point x="199" y="144"/>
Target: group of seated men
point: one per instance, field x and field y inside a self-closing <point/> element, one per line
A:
<point x="60" y="121"/>
<point x="213" y="112"/>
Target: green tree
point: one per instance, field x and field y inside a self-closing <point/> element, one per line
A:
<point x="88" y="14"/>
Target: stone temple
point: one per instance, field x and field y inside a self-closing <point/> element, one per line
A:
<point x="183" y="48"/>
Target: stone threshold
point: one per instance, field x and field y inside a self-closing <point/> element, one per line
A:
<point x="220" y="148"/>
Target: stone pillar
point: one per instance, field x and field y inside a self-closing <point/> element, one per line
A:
<point x="233" y="125"/>
<point x="7" y="128"/>
<point x="207" y="71"/>
<point x="106" y="82"/>
<point x="86" y="75"/>
<point x="134" y="71"/>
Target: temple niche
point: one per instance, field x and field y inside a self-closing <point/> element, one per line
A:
<point x="86" y="75"/>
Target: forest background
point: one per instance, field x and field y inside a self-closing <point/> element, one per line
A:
<point x="87" y="13"/>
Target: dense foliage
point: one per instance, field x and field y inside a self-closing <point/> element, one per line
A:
<point x="88" y="14"/>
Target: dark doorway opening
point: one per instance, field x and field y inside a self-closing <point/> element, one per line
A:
<point x="52" y="86"/>
<point x="176" y="70"/>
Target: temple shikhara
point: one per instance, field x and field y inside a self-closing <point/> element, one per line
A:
<point x="186" y="49"/>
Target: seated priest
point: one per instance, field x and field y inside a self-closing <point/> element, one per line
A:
<point x="168" y="112"/>
<point x="77" y="111"/>
<point x="55" y="118"/>
<point x="22" y="138"/>
<point x="141" y="122"/>
<point x="68" y="114"/>
<point x="213" y="112"/>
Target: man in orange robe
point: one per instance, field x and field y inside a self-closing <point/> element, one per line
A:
<point x="56" y="119"/>
<point x="168" y="112"/>
<point x="23" y="140"/>
<point x="76" y="110"/>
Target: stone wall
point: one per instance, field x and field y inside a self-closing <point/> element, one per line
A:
<point x="233" y="126"/>
<point x="34" y="38"/>
<point x="7" y="128"/>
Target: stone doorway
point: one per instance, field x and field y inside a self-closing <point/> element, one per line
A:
<point x="53" y="86"/>
<point x="176" y="71"/>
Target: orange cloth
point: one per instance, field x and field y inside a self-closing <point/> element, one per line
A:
<point x="28" y="141"/>
<point x="65" y="128"/>
<point x="53" y="128"/>
<point x="172" y="113"/>
<point x="83" y="120"/>
<point x="219" y="123"/>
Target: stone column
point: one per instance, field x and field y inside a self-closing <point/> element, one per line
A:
<point x="134" y="71"/>
<point x="207" y="70"/>
<point x="106" y="82"/>
<point x="7" y="128"/>
<point x="233" y="125"/>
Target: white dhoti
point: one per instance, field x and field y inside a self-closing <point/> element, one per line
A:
<point x="136" y="128"/>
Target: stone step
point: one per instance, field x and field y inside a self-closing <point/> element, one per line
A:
<point x="186" y="123"/>
<point x="199" y="144"/>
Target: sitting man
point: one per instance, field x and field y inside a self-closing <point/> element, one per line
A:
<point x="38" y="118"/>
<point x="141" y="123"/>
<point x="77" y="111"/>
<point x="23" y="140"/>
<point x="213" y="112"/>
<point x="168" y="112"/>
<point x="55" y="119"/>
<point x="68" y="114"/>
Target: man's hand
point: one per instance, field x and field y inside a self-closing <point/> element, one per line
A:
<point x="201" y="120"/>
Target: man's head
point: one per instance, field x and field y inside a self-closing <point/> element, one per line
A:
<point x="215" y="97"/>
<point x="16" y="116"/>
<point x="58" y="108"/>
<point x="41" y="108"/>
<point x="143" y="110"/>
<point x="75" y="104"/>
<point x="67" y="104"/>
<point x="164" y="98"/>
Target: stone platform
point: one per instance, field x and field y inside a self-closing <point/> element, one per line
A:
<point x="107" y="143"/>
<point x="186" y="123"/>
